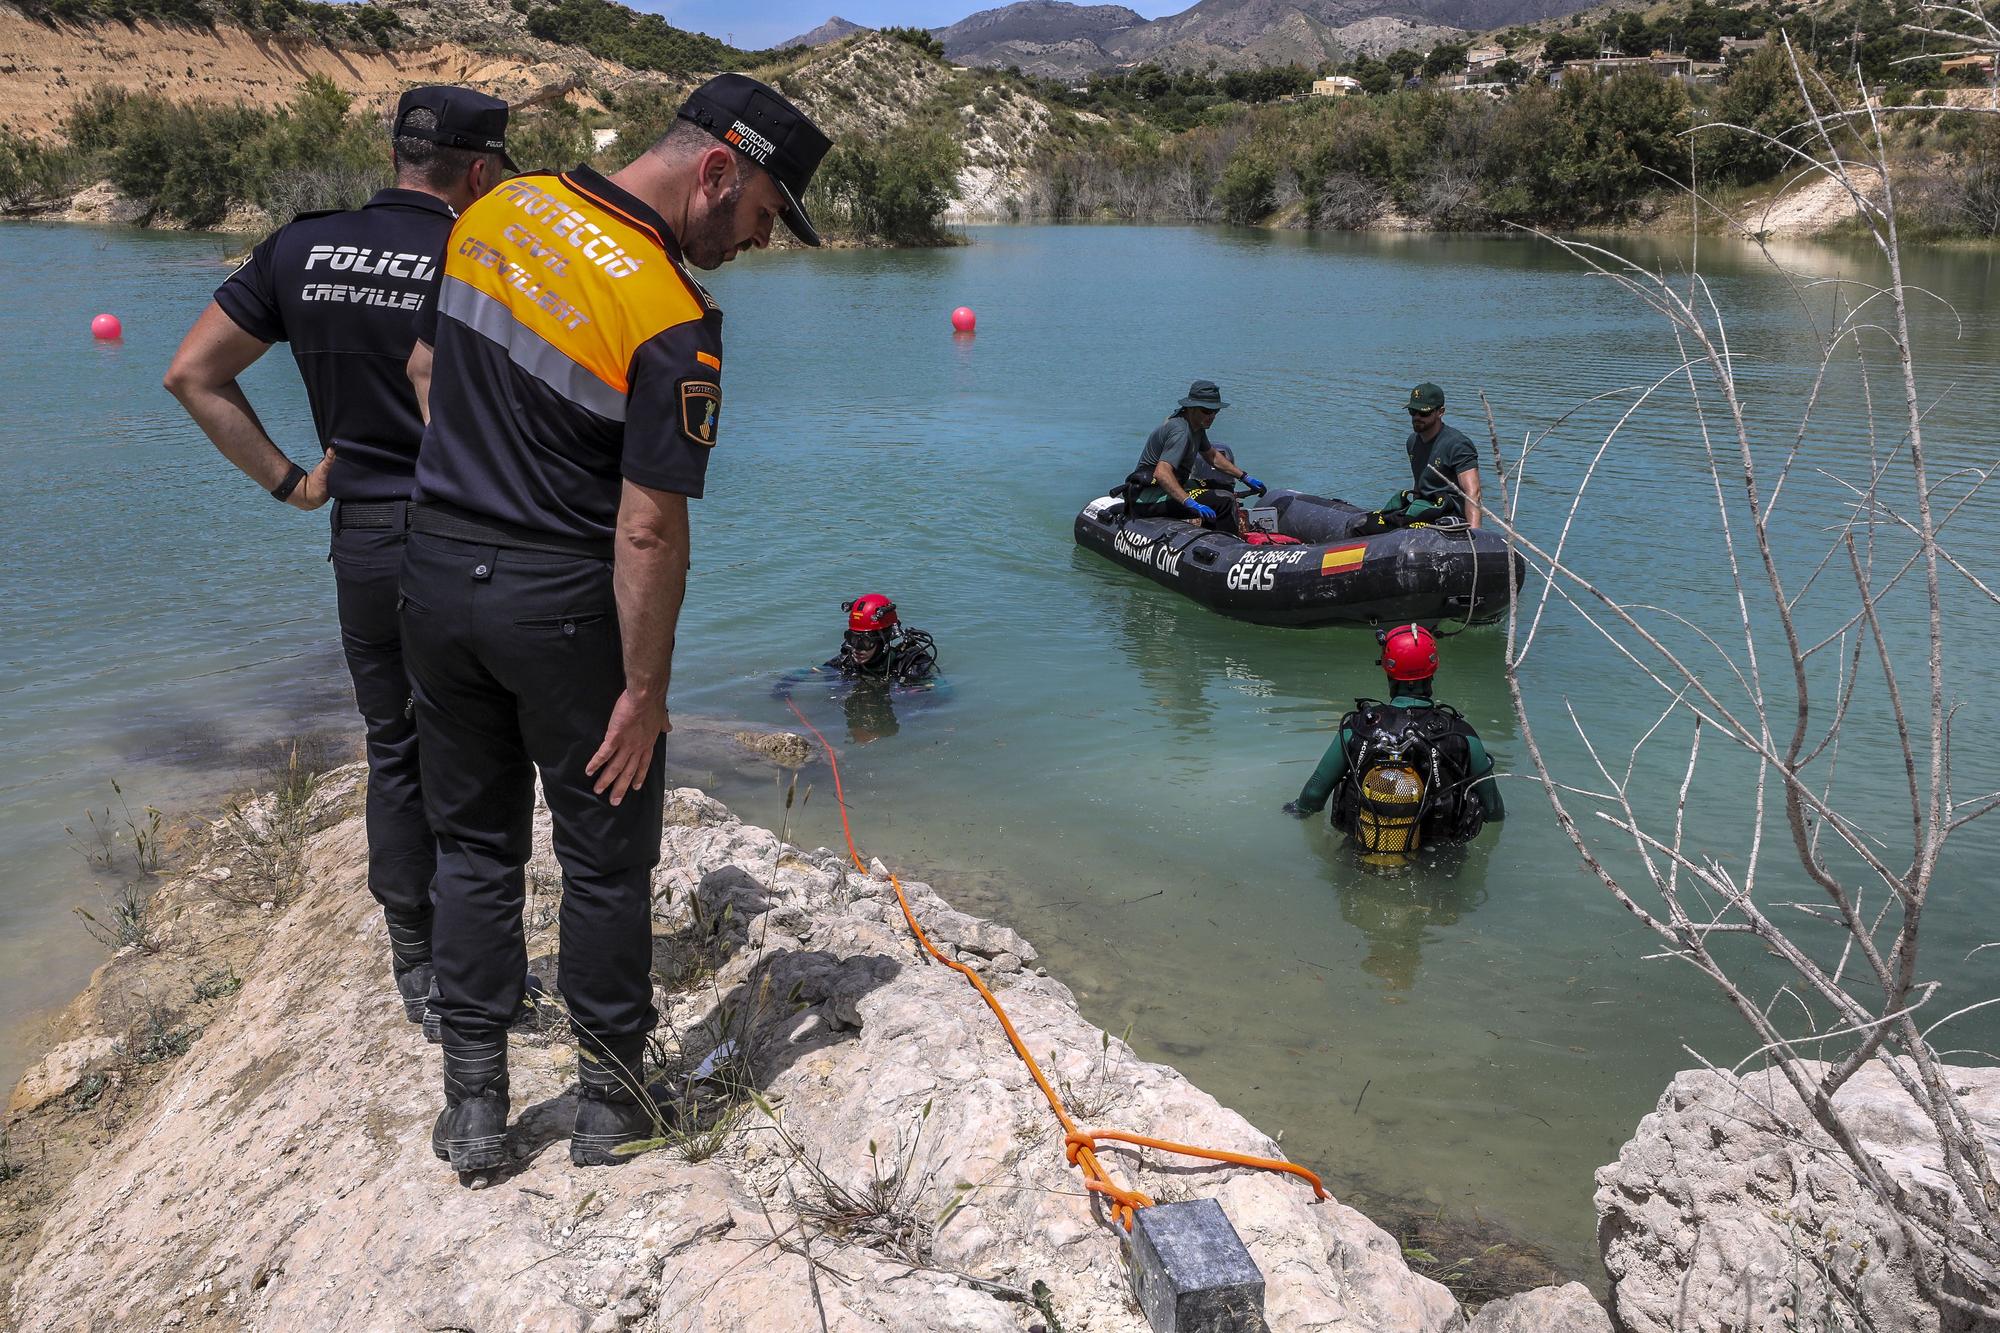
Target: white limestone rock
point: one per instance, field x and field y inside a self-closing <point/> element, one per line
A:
<point x="1731" y="1211"/>
<point x="58" y="1073"/>
<point x="1569" y="1308"/>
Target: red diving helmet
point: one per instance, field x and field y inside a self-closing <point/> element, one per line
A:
<point x="872" y="612"/>
<point x="1409" y="652"/>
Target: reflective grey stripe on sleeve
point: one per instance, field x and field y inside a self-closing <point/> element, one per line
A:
<point x="527" y="349"/>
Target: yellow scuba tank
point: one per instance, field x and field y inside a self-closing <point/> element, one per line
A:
<point x="1387" y="824"/>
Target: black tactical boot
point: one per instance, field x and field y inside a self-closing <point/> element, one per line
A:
<point x="410" y="958"/>
<point x="613" y="1111"/>
<point x="533" y="996"/>
<point x="471" y="1131"/>
<point x="416" y="985"/>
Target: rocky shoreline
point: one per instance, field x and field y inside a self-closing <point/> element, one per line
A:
<point x="101" y="204"/>
<point x="864" y="1149"/>
<point x="231" y="1132"/>
<point x="1816" y="212"/>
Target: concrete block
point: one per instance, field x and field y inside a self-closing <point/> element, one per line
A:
<point x="1192" y="1273"/>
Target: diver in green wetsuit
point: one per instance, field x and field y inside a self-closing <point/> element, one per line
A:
<point x="1407" y="771"/>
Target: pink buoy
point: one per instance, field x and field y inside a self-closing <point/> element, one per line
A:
<point x="963" y="319"/>
<point x="106" y="328"/>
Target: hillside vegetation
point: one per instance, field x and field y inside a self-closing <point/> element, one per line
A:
<point x="367" y="24"/>
<point x="638" y="41"/>
<point x="907" y="128"/>
<point x="1551" y="144"/>
<point x="919" y="142"/>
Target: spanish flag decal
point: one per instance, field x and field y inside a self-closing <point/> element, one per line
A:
<point x="1341" y="559"/>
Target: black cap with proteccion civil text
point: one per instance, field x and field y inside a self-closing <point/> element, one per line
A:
<point x="465" y="119"/>
<point x="759" y="123"/>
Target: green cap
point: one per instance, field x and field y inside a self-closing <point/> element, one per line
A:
<point x="1426" y="397"/>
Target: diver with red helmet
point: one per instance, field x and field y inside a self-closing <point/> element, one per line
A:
<point x="1407" y="771"/>
<point x="878" y="647"/>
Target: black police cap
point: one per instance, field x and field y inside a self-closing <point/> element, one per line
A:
<point x="465" y="119"/>
<point x="758" y="122"/>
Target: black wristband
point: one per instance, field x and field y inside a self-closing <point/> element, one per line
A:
<point x="283" y="490"/>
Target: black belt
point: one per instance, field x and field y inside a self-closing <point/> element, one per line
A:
<point x="437" y="519"/>
<point x="381" y="515"/>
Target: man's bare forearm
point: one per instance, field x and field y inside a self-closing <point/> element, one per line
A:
<point x="203" y="377"/>
<point x="419" y="371"/>
<point x="224" y="414"/>
<point x="1164" y="477"/>
<point x="1468" y="482"/>
<point x="649" y="574"/>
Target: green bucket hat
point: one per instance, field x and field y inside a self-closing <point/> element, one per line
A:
<point x="1426" y="397"/>
<point x="1204" y="394"/>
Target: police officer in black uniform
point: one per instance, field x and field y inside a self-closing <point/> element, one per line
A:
<point x="572" y="372"/>
<point x="344" y="289"/>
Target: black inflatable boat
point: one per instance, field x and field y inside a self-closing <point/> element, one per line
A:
<point x="1427" y="574"/>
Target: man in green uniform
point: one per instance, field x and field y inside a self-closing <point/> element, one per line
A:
<point x="1444" y="469"/>
<point x="1163" y="481"/>
<point x="1461" y="795"/>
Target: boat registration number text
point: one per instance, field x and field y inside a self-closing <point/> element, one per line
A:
<point x="1258" y="571"/>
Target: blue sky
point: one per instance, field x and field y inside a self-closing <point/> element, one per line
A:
<point x="758" y="23"/>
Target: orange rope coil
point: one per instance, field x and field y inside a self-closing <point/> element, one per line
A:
<point x="1079" y="1145"/>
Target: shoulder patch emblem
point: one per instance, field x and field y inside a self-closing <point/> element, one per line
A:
<point x="701" y="410"/>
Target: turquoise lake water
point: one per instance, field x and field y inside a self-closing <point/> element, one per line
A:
<point x="1106" y="770"/>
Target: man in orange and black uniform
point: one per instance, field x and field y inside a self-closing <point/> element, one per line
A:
<point x="572" y="370"/>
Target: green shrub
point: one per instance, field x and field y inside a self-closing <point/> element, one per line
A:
<point x="551" y="138"/>
<point x="1249" y="187"/>
<point x="194" y="161"/>
<point x="1564" y="46"/>
<point x="95" y="120"/>
<point x="641" y="114"/>
<point x="379" y="25"/>
<point x="187" y="162"/>
<point x="894" y="188"/>
<point x="1627" y="138"/>
<point x="317" y="130"/>
<point x="29" y="170"/>
<point x="1265" y="85"/>
<point x="1444" y="59"/>
<point x="643" y="41"/>
<point x="918" y="38"/>
<point x="343" y="22"/>
<point x="1555" y="156"/>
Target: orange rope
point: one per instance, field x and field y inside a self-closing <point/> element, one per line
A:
<point x="1080" y="1145"/>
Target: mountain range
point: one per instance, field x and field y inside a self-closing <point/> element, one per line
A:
<point x="1058" y="39"/>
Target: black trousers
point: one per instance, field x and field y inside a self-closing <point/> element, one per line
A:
<point x="516" y="663"/>
<point x="402" y="854"/>
<point x="1227" y="510"/>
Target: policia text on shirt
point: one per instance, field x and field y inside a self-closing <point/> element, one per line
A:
<point x="572" y="370"/>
